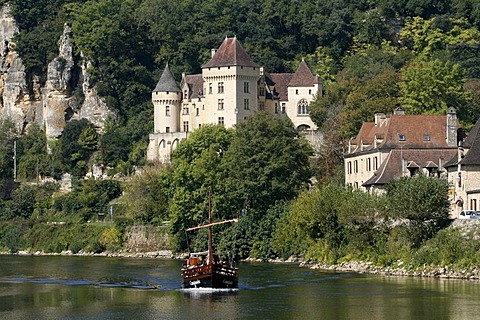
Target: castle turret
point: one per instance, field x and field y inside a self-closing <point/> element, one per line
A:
<point x="166" y="98"/>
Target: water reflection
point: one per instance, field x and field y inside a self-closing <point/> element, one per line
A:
<point x="110" y="288"/>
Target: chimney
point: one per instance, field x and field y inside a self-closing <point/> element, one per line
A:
<point x="379" y="119"/>
<point x="451" y="134"/>
<point x="213" y="51"/>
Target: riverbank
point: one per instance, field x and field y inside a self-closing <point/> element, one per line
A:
<point x="362" y="267"/>
<point x="366" y="267"/>
<point x="165" y="254"/>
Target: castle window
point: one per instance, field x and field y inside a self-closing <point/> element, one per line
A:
<point x="261" y="106"/>
<point x="375" y="163"/>
<point x="221" y="121"/>
<point x="185" y="109"/>
<point x="220" y="104"/>
<point x="302" y="107"/>
<point x="355" y="166"/>
<point x="246" y="104"/>
<point x="309" y="91"/>
<point x="284" y="107"/>
<point x="296" y="91"/>
<point x="369" y="164"/>
<point x="210" y="88"/>
<point x="198" y="112"/>
<point x="402" y="137"/>
<point x="245" y="87"/>
<point x="167" y="111"/>
<point x="349" y="167"/>
<point x="185" y="94"/>
<point x="262" y="91"/>
<point x="220" y="87"/>
<point x="185" y="126"/>
<point x="167" y="129"/>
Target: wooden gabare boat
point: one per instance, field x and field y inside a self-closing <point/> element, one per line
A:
<point x="204" y="269"/>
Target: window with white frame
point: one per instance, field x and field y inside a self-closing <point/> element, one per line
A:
<point x="220" y="87"/>
<point x="302" y="107"/>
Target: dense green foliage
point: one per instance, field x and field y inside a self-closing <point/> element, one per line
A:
<point x="373" y="56"/>
<point x="332" y="223"/>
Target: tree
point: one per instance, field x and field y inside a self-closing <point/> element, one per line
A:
<point x="76" y="145"/>
<point x="432" y="86"/>
<point x="422" y="202"/>
<point x="268" y="161"/>
<point x="147" y="196"/>
<point x="32" y="154"/>
<point x="8" y="134"/>
<point x="198" y="172"/>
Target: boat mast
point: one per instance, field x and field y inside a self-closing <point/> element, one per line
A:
<point x="210" y="246"/>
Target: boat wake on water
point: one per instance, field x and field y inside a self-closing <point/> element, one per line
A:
<point x="133" y="283"/>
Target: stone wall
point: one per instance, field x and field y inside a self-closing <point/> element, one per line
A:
<point x="146" y="239"/>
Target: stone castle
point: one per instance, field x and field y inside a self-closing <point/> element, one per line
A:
<point x="230" y="88"/>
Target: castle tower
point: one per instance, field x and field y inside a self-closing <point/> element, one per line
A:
<point x="166" y="98"/>
<point x="230" y="85"/>
<point x="302" y="90"/>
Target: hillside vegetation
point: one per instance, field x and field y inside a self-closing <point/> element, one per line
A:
<point x="372" y="56"/>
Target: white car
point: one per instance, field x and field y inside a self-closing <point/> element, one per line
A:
<point x="469" y="214"/>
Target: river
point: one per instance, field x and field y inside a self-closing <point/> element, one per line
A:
<point x="71" y="287"/>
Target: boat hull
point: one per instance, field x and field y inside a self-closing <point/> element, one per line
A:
<point x="215" y="277"/>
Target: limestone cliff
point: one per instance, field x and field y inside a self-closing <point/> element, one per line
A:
<point x="66" y="95"/>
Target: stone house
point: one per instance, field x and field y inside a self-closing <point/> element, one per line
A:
<point x="464" y="174"/>
<point x="400" y="145"/>
<point x="230" y="88"/>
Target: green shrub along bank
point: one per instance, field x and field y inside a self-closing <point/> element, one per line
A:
<point x="56" y="238"/>
<point x="333" y="224"/>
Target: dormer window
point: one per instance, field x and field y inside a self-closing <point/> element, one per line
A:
<point x="401" y="137"/>
<point x="426" y="137"/>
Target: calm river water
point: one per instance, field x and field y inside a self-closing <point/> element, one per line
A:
<point x="54" y="287"/>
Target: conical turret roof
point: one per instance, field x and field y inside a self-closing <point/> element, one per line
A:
<point x="303" y="77"/>
<point x="230" y="53"/>
<point x="167" y="83"/>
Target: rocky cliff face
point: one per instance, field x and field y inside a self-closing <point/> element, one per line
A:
<point x="59" y="100"/>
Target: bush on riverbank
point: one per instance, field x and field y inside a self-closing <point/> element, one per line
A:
<point x="334" y="224"/>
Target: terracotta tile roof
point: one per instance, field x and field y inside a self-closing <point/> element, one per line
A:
<point x="230" y="53"/>
<point x="391" y="168"/>
<point x="418" y="131"/>
<point x="303" y="77"/>
<point x="416" y="128"/>
<point x="167" y="82"/>
<point x="280" y="86"/>
<point x="195" y="85"/>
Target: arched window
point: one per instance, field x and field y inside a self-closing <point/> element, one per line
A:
<point x="302" y="106"/>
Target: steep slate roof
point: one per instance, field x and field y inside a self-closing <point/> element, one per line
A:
<point x="195" y="85"/>
<point x="472" y="157"/>
<point x="303" y="77"/>
<point x="280" y="85"/>
<point x="167" y="83"/>
<point x="230" y="53"/>
<point x="391" y="168"/>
